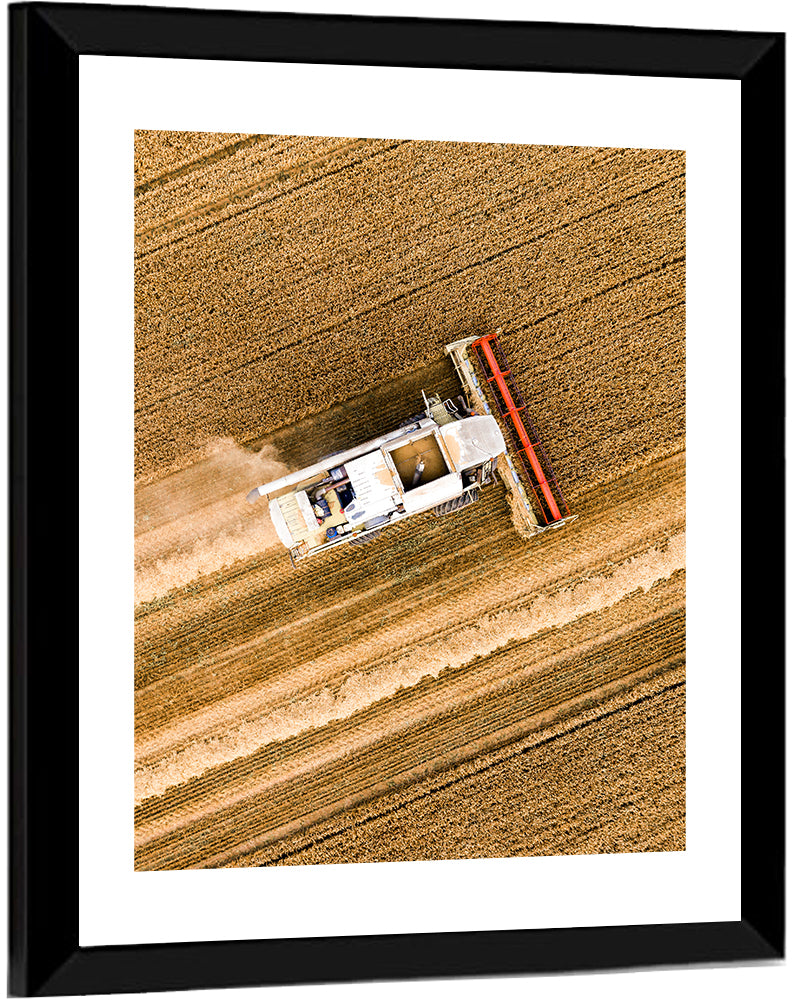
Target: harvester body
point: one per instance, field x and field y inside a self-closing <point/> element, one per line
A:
<point x="435" y="462"/>
<point x="426" y="465"/>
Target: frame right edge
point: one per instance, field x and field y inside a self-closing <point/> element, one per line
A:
<point x="763" y="436"/>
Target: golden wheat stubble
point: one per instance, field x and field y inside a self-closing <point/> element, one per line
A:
<point x="287" y="288"/>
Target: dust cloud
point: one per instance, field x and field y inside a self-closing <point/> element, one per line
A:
<point x="197" y="521"/>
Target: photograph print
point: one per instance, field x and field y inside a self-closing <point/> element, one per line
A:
<point x="409" y="500"/>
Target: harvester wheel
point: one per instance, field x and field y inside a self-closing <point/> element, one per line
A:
<point x="364" y="539"/>
<point x="458" y="503"/>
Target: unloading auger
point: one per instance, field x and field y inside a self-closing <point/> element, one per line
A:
<point x="437" y="461"/>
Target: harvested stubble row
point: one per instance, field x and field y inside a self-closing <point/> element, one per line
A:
<point x="292" y="296"/>
<point x="566" y="789"/>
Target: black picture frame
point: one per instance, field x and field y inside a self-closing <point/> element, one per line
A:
<point x="46" y="40"/>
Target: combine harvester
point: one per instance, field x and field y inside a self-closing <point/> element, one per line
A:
<point x="437" y="461"/>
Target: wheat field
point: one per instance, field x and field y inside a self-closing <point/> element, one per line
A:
<point x="450" y="690"/>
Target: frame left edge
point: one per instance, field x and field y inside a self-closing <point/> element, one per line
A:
<point x="43" y="267"/>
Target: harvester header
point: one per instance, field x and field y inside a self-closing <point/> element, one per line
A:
<point x="535" y="497"/>
<point x="525" y="438"/>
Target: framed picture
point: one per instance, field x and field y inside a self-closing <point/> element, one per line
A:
<point x="417" y="289"/>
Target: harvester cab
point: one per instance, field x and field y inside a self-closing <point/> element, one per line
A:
<point x="437" y="461"/>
